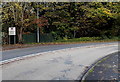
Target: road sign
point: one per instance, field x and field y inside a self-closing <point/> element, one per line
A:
<point x="12" y="31"/>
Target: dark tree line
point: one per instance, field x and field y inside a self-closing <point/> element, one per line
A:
<point x="63" y="19"/>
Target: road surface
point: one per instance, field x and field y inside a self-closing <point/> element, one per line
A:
<point x="33" y="50"/>
<point x="67" y="64"/>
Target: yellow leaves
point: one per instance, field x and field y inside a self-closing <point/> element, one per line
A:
<point x="26" y="24"/>
<point x="60" y="7"/>
<point x="17" y="5"/>
<point x="26" y="20"/>
<point x="45" y="8"/>
<point x="105" y="11"/>
<point x="5" y="16"/>
<point x="55" y="23"/>
<point x="84" y="8"/>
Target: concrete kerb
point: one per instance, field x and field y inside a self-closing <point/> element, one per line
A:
<point x="37" y="54"/>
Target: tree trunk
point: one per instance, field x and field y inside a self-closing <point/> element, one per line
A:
<point x="74" y="33"/>
<point x="20" y="39"/>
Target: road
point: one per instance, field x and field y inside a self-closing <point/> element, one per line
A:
<point x="33" y="50"/>
<point x="67" y="64"/>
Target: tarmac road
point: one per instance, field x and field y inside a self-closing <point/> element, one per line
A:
<point x="67" y="64"/>
<point x="9" y="54"/>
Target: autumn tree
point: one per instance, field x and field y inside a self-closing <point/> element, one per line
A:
<point x="16" y="14"/>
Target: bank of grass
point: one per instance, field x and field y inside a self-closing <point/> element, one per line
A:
<point x="62" y="41"/>
<point x="88" y="39"/>
<point x="75" y="40"/>
<point x="80" y="40"/>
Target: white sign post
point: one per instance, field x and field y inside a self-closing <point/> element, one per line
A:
<point x="12" y="31"/>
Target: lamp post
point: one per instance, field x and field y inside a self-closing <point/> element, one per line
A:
<point x="38" y="27"/>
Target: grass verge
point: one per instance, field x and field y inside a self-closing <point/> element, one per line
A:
<point x="63" y="41"/>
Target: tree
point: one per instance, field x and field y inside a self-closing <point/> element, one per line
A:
<point x="18" y="15"/>
<point x="41" y="22"/>
<point x="63" y="19"/>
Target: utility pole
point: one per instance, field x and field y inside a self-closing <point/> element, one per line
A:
<point x="38" y="33"/>
<point x="15" y="22"/>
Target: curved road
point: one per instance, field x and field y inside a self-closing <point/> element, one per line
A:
<point x="8" y="54"/>
<point x="67" y="64"/>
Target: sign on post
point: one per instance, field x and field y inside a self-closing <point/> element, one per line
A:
<point x="12" y="31"/>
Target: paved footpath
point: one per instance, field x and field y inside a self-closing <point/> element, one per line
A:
<point x="105" y="69"/>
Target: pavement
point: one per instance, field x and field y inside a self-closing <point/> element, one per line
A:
<point x="105" y="69"/>
<point x="9" y="54"/>
<point x="63" y="64"/>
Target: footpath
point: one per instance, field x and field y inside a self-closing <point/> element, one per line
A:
<point x="105" y="69"/>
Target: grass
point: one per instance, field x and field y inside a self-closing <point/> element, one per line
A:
<point x="102" y="60"/>
<point x="79" y="40"/>
<point x="74" y="41"/>
<point x="86" y="39"/>
<point x="91" y="70"/>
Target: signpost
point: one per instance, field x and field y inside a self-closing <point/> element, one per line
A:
<point x="12" y="31"/>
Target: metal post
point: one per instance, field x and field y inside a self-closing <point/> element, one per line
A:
<point x="9" y="39"/>
<point x="14" y="40"/>
<point x="38" y="27"/>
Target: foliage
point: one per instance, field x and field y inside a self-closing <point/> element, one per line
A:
<point x="65" y="20"/>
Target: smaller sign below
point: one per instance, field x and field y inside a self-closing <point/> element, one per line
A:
<point x="12" y="31"/>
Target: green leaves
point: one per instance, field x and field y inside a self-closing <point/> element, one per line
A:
<point x="64" y="18"/>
